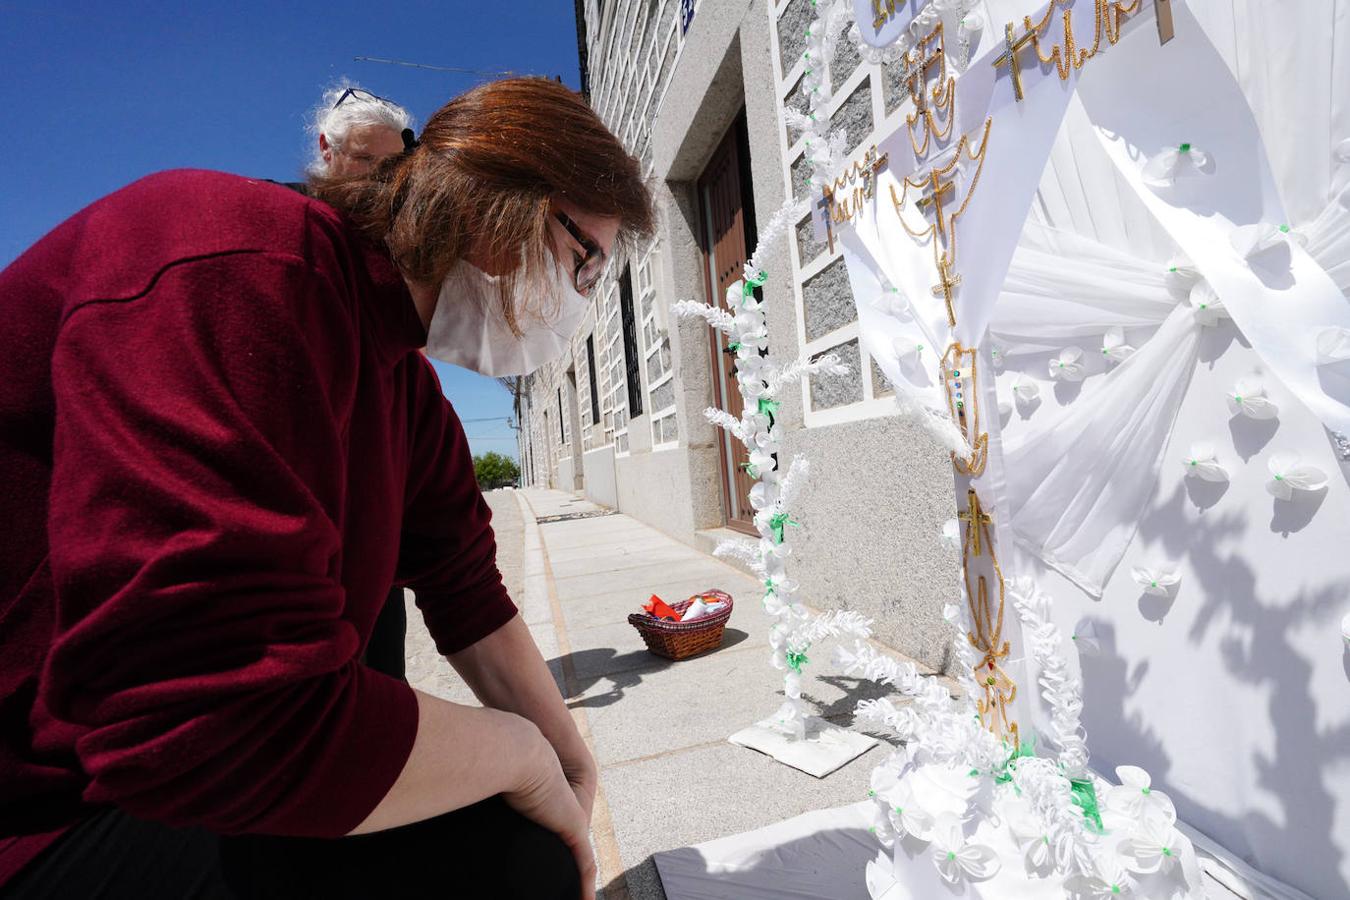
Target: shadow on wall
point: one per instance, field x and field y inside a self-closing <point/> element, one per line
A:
<point x="1255" y="640"/>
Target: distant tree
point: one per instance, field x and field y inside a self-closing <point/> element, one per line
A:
<point x="493" y="470"/>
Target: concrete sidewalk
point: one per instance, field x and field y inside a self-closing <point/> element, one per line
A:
<point x="668" y="777"/>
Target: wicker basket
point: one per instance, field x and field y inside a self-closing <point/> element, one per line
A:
<point x="681" y="640"/>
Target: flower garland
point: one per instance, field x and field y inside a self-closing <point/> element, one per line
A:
<point x="760" y="381"/>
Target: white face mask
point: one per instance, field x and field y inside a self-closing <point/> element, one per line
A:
<point x="467" y="328"/>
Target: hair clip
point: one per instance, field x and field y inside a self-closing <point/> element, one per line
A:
<point x="410" y="141"/>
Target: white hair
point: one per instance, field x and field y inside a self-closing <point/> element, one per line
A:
<point x="335" y="121"/>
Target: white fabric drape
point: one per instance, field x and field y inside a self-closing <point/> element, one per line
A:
<point x="1078" y="478"/>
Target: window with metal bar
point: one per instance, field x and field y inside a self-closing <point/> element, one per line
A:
<point x="630" y="347"/>
<point x="590" y="374"/>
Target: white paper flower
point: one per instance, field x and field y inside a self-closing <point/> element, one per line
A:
<point x="996" y="356"/>
<point x="951" y="534"/>
<point x="1005" y="406"/>
<point x="891" y="302"/>
<point x="903" y="810"/>
<point x="1135" y="799"/>
<point x="791" y="718"/>
<point x="1289" y="473"/>
<point x="1202" y="463"/>
<point x="1333" y="344"/>
<point x="1025" y="388"/>
<point x="957" y="860"/>
<point x="1068" y="366"/>
<point x="1114" y="347"/>
<point x="1248" y="398"/>
<point x="1153" y="846"/>
<point x="1209" y="309"/>
<point x="1181" y="161"/>
<point x="907" y="350"/>
<point x="1107" y="880"/>
<point x="1250" y="241"/>
<point x="1032" y="837"/>
<point x="1181" y="273"/>
<point x="1154" y="581"/>
<point x="1086" y="639"/>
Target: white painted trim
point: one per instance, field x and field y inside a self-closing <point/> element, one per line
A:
<point x="820" y="263"/>
<point x="841" y="335"/>
<point x="853" y="412"/>
<point x="657" y="418"/>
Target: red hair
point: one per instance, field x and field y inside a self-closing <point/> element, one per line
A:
<point x="481" y="179"/>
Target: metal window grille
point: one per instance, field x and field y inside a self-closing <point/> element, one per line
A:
<point x="630" y="347"/>
<point x="590" y="372"/>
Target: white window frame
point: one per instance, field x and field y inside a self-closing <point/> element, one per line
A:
<point x="875" y="401"/>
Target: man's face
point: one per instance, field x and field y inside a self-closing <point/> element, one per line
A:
<point x="364" y="146"/>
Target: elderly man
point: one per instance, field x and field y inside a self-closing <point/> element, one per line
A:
<point x="354" y="129"/>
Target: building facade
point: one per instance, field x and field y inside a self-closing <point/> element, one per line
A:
<point x="696" y="90"/>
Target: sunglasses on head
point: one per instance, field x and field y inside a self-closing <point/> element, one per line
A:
<point x="362" y="95"/>
<point x="590" y="265"/>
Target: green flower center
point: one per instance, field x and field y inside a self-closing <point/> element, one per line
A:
<point x="1184" y="148"/>
<point x="1146" y="791"/>
<point x="950" y="855"/>
<point x="1167" y="851"/>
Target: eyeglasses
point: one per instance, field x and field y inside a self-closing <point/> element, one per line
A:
<point x="589" y="266"/>
<point x="362" y="95"/>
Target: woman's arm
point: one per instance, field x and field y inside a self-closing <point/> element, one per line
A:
<point x="464" y="754"/>
<point x="507" y="672"/>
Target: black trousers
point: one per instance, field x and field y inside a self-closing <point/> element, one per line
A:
<point x="385" y="651"/>
<point x="482" y="851"/>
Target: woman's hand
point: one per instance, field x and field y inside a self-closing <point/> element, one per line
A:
<point x="581" y="772"/>
<point x="550" y="798"/>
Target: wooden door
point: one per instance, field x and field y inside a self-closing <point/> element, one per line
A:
<point x="726" y="209"/>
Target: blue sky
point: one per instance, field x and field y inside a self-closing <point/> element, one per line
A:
<point x="101" y="93"/>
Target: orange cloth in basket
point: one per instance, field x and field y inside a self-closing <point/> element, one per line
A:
<point x="657" y="607"/>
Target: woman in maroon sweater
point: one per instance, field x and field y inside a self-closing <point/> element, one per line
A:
<point x="220" y="449"/>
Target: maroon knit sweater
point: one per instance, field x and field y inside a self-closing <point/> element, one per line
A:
<point x="219" y="448"/>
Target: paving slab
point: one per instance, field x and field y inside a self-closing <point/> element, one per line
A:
<point x="631" y="544"/>
<point x="713" y="791"/>
<point x="706" y="572"/>
<point x="623" y="557"/>
<point x="597" y="608"/>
